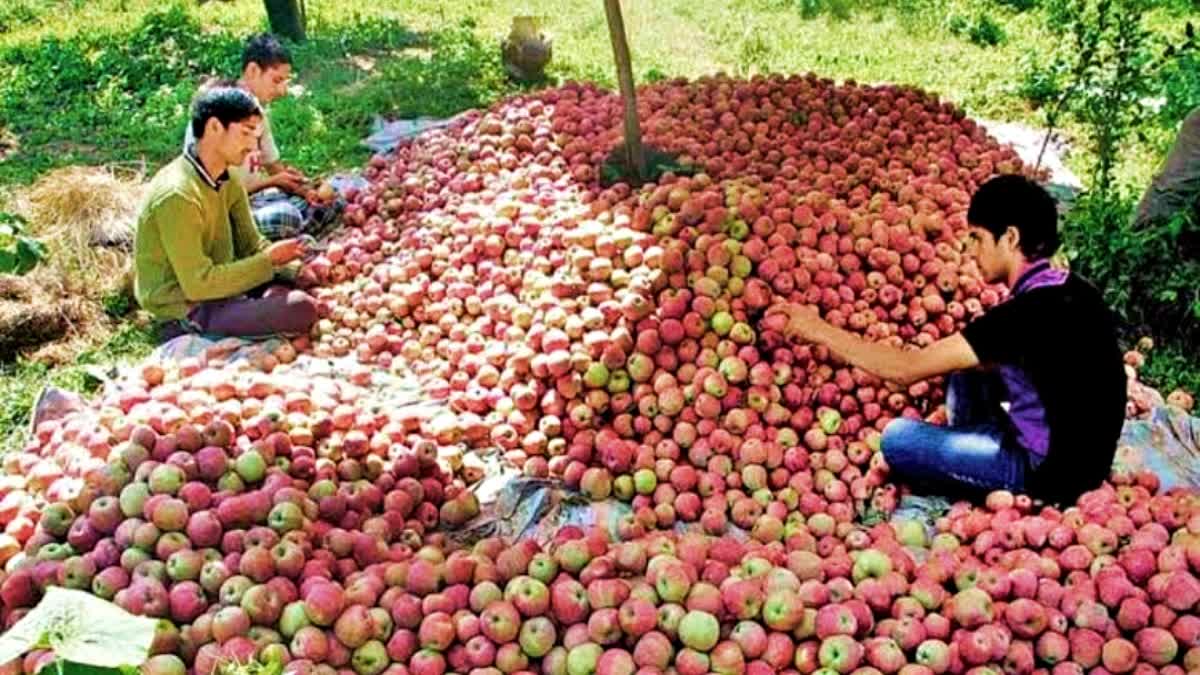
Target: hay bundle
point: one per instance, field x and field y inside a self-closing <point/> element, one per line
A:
<point x="90" y="205"/>
<point x="86" y="217"/>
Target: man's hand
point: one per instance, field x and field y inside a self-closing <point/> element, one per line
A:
<point x="284" y="251"/>
<point x="289" y="180"/>
<point x="802" y="321"/>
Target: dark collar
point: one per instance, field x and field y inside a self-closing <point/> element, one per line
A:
<point x="194" y="159"/>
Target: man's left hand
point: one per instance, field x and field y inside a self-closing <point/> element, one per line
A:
<point x="288" y="182"/>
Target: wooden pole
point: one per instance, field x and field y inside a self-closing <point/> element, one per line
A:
<point x="633" y="130"/>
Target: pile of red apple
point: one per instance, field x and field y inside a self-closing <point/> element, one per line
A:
<point x="612" y="337"/>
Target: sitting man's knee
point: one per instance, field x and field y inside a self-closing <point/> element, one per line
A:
<point x="303" y="308"/>
<point x="893" y="443"/>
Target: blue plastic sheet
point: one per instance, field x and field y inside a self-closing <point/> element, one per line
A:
<point x="1166" y="443"/>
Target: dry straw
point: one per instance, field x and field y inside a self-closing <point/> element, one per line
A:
<point x="86" y="216"/>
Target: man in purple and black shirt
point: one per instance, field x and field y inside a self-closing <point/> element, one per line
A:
<point x="1036" y="387"/>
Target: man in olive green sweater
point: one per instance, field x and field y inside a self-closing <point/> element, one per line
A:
<point x="198" y="257"/>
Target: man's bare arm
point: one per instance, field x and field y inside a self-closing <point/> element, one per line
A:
<point x="884" y="361"/>
<point x="899" y="365"/>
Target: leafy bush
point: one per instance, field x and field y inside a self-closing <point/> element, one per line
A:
<point x="1106" y="68"/>
<point x="1154" y="289"/>
<point x="109" y="89"/>
<point x="981" y="29"/>
<point x="1140" y="271"/>
<point x="1179" y="79"/>
<point x="1041" y="81"/>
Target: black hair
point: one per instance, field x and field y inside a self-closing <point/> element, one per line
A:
<point x="227" y="104"/>
<point x="266" y="50"/>
<point x="1016" y="201"/>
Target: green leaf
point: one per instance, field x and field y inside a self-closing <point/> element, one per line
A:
<point x="29" y="253"/>
<point x="73" y="668"/>
<point x="8" y="261"/>
<point x="82" y="628"/>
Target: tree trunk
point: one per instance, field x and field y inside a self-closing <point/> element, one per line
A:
<point x="287" y="18"/>
<point x="633" y="130"/>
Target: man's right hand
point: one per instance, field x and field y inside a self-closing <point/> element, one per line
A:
<point x="284" y="251"/>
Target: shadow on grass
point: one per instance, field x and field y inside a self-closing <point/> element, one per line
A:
<point x="444" y="73"/>
<point x="123" y="97"/>
<point x="22" y="381"/>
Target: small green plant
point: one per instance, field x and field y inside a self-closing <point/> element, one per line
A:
<point x="837" y="9"/>
<point x="1097" y="77"/>
<point x="981" y="29"/>
<point x="754" y="53"/>
<point x="18" y="253"/>
<point x="118" y="303"/>
<point x="653" y="74"/>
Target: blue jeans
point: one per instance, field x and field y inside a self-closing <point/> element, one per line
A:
<point x="978" y="452"/>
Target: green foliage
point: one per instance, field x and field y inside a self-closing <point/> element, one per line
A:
<point x="126" y="91"/>
<point x="18" y="253"/>
<point x="118" y="303"/>
<point x="1097" y="77"/>
<point x="1109" y="64"/>
<point x="1041" y="80"/>
<point x="1171" y="365"/>
<point x="457" y="72"/>
<point x="1179" y="78"/>
<point x="911" y="13"/>
<point x="17" y="13"/>
<point x="981" y="29"/>
<point x="1145" y="279"/>
<point x="108" y="89"/>
<point x="837" y="9"/>
<point x="1019" y="5"/>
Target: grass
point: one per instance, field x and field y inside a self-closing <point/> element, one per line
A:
<point x="118" y="89"/>
<point x="21" y="382"/>
<point x="108" y="81"/>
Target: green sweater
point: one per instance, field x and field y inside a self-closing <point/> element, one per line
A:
<point x="196" y="241"/>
